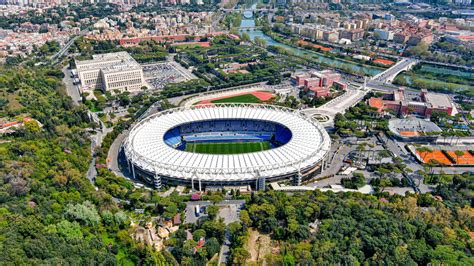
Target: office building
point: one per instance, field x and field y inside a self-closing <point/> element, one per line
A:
<point x="111" y="72"/>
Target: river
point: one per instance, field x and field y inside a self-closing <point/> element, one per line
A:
<point x="249" y="21"/>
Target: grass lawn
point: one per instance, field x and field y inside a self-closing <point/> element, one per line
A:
<point x="99" y="95"/>
<point x="227" y="147"/>
<point x="244" y="98"/>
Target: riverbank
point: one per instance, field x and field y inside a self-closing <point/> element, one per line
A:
<point x="418" y="82"/>
<point x="309" y="55"/>
<point x="436" y="78"/>
<point x="280" y="38"/>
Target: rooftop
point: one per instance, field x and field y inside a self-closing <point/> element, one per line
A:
<point x="146" y="147"/>
<point x="109" y="63"/>
<point x="438" y="100"/>
<point x="412" y="127"/>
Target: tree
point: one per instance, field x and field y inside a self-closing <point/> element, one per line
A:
<point x="245" y="37"/>
<point x="32" y="126"/>
<point x="357" y="181"/>
<point x="418" y="50"/>
<point x="120" y="218"/>
<point x="239" y="256"/>
<point x="216" y="198"/>
<point x="260" y="42"/>
<point x="214" y="228"/>
<point x="235" y="229"/>
<point x="361" y="147"/>
<point x="212" y="211"/>
<point x="263" y="216"/>
<point x="69" y="230"/>
<point x="18" y="186"/>
<point x="384" y="182"/>
<point x="198" y="234"/>
<point x="245" y="218"/>
<point x="151" y="257"/>
<point x="212" y="246"/>
<point x="85" y="213"/>
<point x="107" y="217"/>
<point x="188" y="247"/>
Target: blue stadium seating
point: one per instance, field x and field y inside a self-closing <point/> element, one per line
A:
<point x="228" y="131"/>
<point x="173" y="137"/>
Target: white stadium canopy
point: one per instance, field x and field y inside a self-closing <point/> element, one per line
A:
<point x="146" y="149"/>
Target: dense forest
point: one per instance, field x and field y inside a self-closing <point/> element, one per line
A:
<point x="355" y="229"/>
<point x="145" y="52"/>
<point x="49" y="212"/>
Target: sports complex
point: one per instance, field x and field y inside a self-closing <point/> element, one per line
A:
<point x="226" y="144"/>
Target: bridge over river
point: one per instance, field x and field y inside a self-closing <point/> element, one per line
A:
<point x="327" y="112"/>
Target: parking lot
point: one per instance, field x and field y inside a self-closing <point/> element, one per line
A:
<point x="160" y="74"/>
<point x="229" y="210"/>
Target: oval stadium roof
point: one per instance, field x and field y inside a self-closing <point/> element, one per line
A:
<point x="145" y="146"/>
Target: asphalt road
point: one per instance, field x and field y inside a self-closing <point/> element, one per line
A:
<point x="391" y="72"/>
<point x="71" y="89"/>
<point x="335" y="159"/>
<point x="66" y="47"/>
<point x="96" y="140"/>
<point x="397" y="148"/>
<point x="225" y="249"/>
<point x="112" y="156"/>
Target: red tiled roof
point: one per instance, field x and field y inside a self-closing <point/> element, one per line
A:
<point x="200" y="243"/>
<point x="9" y="124"/>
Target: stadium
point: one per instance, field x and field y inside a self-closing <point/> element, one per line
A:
<point x="226" y="145"/>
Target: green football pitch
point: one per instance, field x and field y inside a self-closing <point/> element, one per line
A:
<point x="227" y="147"/>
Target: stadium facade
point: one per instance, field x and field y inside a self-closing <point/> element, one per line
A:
<point x="158" y="151"/>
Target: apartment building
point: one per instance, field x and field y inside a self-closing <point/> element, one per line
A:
<point x="353" y="35"/>
<point x="111" y="72"/>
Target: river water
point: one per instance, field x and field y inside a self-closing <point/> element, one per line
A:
<point x="249" y="21"/>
